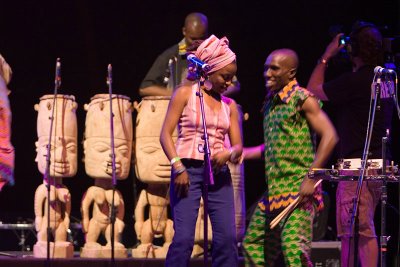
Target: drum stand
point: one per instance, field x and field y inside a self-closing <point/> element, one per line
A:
<point x="21" y="231"/>
<point x="383" y="238"/>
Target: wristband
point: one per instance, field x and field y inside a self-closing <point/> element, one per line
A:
<point x="180" y="170"/>
<point x="175" y="159"/>
<point x="323" y="61"/>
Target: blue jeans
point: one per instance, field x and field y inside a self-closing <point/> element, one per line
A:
<point x="221" y="212"/>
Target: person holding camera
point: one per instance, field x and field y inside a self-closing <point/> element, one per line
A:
<point x="350" y="96"/>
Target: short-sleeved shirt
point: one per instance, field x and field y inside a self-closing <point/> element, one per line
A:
<point x="350" y="95"/>
<point x="168" y="69"/>
<point x="289" y="146"/>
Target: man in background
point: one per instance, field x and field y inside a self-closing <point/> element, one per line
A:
<point x="350" y="96"/>
<point x="170" y="68"/>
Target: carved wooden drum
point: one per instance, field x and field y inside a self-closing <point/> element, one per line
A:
<point x="97" y="143"/>
<point x="64" y="148"/>
<point x="151" y="164"/>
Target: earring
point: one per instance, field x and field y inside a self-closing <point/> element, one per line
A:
<point x="207" y="85"/>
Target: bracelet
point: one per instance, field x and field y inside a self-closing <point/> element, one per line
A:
<point x="180" y="170"/>
<point x="323" y="61"/>
<point x="176" y="166"/>
<point x="175" y="159"/>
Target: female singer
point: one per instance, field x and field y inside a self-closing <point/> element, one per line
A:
<point x="187" y="157"/>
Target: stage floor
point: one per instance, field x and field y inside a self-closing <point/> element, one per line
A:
<point x="26" y="259"/>
<point x="323" y="254"/>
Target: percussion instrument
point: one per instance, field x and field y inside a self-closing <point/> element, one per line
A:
<point x="350" y="170"/>
<point x="64" y="134"/>
<point x="151" y="163"/>
<point x="97" y="147"/>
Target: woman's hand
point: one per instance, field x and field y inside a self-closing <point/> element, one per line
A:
<point x="181" y="184"/>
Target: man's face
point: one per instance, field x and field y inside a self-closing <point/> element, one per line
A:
<point x="194" y="31"/>
<point x="277" y="73"/>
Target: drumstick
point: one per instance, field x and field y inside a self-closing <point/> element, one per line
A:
<point x="281" y="215"/>
<point x="288" y="209"/>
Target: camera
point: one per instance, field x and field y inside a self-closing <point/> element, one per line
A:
<point x="344" y="40"/>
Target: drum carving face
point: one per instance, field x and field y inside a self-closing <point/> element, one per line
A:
<point x="98" y="162"/>
<point x="152" y="165"/>
<point x="63" y="149"/>
<point x="97" y="143"/>
<point x="63" y="155"/>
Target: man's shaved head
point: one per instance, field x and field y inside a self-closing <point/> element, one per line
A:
<point x="288" y="57"/>
<point x="195" y="27"/>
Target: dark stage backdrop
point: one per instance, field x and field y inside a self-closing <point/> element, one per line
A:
<point x="88" y="35"/>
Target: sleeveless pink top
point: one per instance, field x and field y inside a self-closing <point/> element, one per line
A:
<point x="190" y="127"/>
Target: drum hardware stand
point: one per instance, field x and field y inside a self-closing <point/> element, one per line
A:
<point x="22" y="231"/>
<point x="201" y="76"/>
<point x="47" y="176"/>
<point x="393" y="94"/>
<point x="383" y="238"/>
<point x="114" y="180"/>
<point x="354" y="210"/>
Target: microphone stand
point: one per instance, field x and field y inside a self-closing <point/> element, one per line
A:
<point x="208" y="174"/>
<point x="114" y="180"/>
<point x="47" y="177"/>
<point x="356" y="200"/>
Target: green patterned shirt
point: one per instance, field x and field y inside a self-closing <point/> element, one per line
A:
<point x="289" y="146"/>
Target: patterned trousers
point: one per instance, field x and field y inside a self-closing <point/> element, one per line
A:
<point x="292" y="237"/>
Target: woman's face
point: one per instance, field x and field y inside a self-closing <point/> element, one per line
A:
<point x="222" y="79"/>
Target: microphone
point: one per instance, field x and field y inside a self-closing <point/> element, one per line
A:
<point x="379" y="70"/>
<point x="58" y="73"/>
<point x="199" y="64"/>
<point x="109" y="74"/>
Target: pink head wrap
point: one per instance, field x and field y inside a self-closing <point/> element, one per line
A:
<point x="215" y="52"/>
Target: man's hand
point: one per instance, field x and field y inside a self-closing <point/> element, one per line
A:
<point x="220" y="159"/>
<point x="307" y="187"/>
<point x="333" y="47"/>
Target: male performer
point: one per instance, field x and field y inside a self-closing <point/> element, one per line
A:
<point x="169" y="69"/>
<point x="290" y="115"/>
